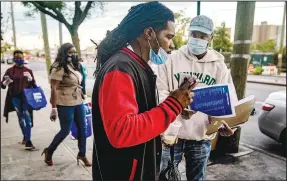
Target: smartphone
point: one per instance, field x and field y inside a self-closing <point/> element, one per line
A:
<point x="185" y="77"/>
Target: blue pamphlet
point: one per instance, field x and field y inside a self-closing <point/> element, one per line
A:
<point x="212" y="100"/>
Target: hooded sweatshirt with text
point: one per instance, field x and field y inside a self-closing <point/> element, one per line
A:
<point x="210" y="70"/>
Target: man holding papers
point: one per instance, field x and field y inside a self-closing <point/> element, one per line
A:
<point x="208" y="66"/>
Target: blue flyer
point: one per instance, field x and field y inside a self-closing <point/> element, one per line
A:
<point x="212" y="100"/>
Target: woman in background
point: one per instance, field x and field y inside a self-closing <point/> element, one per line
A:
<point x="67" y="101"/>
<point x="17" y="78"/>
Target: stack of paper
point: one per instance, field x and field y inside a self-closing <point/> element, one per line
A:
<point x="243" y="110"/>
<point x="213" y="100"/>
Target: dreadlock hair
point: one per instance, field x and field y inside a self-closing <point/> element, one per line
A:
<point x="139" y="17"/>
<point x="62" y="59"/>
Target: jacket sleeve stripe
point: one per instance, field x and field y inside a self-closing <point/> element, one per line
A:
<point x="176" y="103"/>
<point x="171" y="107"/>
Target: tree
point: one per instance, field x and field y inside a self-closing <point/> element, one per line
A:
<point x="275" y="58"/>
<point x="181" y="26"/>
<point x="252" y="47"/>
<point x="5" y="47"/>
<point x="221" y="40"/>
<point x="62" y="12"/>
<point x="1" y="27"/>
<point x="239" y="63"/>
<point x="268" y="46"/>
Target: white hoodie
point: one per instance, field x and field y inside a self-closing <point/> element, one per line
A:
<point x="210" y="70"/>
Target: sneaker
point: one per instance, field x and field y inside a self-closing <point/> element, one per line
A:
<point x="29" y="146"/>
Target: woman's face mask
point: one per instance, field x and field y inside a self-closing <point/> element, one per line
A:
<point x="72" y="55"/>
<point x="197" y="46"/>
<point x="160" y="57"/>
<point x="18" y="59"/>
<point x="73" y="58"/>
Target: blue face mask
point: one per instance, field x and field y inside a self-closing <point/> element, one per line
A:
<point x="19" y="62"/>
<point x="72" y="58"/>
<point x="160" y="57"/>
<point x="197" y="46"/>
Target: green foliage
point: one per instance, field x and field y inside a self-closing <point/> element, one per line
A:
<point x="258" y="70"/>
<point x="5" y="47"/>
<point x="252" y="48"/>
<point x="181" y="28"/>
<point x="71" y="14"/>
<point x="227" y="58"/>
<point x="268" y="46"/>
<point x="63" y="11"/>
<point x="221" y="39"/>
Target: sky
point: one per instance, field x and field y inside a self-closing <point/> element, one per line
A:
<point x="29" y="32"/>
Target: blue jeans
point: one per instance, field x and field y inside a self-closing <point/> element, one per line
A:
<point x="196" y="155"/>
<point x="24" y="117"/>
<point x="68" y="114"/>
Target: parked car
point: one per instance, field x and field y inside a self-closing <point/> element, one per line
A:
<point x="26" y="62"/>
<point x="9" y="61"/>
<point x="272" y="118"/>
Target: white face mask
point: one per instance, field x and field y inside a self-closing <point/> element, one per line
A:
<point x="197" y="46"/>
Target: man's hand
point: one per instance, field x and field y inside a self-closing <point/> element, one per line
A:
<point x="183" y="94"/>
<point x="225" y="130"/>
<point x="186" y="114"/>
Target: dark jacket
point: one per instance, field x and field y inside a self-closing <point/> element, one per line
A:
<point x="127" y="121"/>
<point x="16" y="87"/>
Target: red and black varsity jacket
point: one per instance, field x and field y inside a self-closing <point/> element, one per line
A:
<point x="127" y="121"/>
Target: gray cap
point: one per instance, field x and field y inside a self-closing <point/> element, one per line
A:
<point x="201" y="23"/>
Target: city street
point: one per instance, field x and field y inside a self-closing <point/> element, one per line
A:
<point x="206" y="39"/>
<point x="250" y="134"/>
<point x="265" y="161"/>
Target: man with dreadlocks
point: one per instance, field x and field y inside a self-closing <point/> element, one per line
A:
<point x="126" y="119"/>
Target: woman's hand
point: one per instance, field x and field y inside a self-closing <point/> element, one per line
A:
<point x="7" y="80"/>
<point x="54" y="114"/>
<point x="28" y="75"/>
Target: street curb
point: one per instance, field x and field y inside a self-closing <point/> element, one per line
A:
<point x="263" y="151"/>
<point x="267" y="83"/>
<point x="279" y="76"/>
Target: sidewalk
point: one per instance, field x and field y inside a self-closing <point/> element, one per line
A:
<point x="19" y="164"/>
<point x="264" y="79"/>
